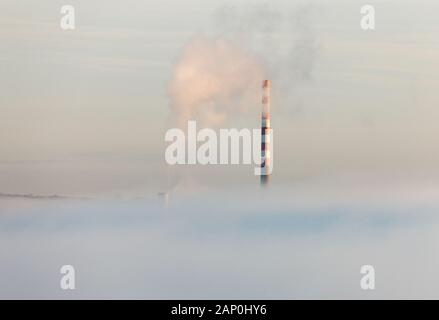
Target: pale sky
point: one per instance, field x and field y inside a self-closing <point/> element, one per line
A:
<point x="91" y="105"/>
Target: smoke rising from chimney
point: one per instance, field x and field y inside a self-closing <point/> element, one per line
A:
<point x="221" y="73"/>
<point x="212" y="77"/>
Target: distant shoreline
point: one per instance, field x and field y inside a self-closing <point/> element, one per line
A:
<point x="37" y="196"/>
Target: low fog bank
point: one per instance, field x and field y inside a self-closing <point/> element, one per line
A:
<point x="304" y="242"/>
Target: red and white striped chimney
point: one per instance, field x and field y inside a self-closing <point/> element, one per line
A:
<point x="265" y="133"/>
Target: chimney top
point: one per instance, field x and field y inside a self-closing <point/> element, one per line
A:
<point x="266" y="83"/>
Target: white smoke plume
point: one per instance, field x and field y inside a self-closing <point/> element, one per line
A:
<point x="212" y="77"/>
<point x="223" y="72"/>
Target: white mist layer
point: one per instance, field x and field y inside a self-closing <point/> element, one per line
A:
<point x="296" y="243"/>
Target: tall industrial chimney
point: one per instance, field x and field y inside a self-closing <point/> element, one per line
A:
<point x="265" y="133"/>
